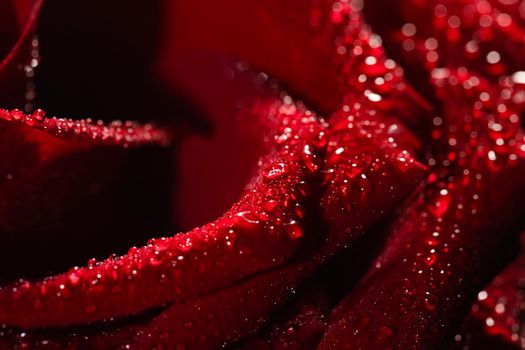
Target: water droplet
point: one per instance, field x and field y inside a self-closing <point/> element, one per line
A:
<point x="39" y="115"/>
<point x="275" y="172"/>
<point x="73" y="278"/>
<point x="431" y="301"/>
<point x="246" y="220"/>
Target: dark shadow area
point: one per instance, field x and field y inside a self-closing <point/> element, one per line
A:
<point x="9" y="29"/>
<point x="95" y="214"/>
<point x="98" y="61"/>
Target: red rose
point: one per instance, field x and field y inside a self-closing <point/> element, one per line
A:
<point x="302" y="238"/>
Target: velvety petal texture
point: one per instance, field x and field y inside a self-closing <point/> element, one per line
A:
<point x="306" y="174"/>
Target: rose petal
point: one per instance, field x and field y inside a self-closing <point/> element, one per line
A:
<point x="261" y="231"/>
<point x="495" y="319"/>
<point x="449" y="230"/>
<point x="485" y="36"/>
<point x="57" y="173"/>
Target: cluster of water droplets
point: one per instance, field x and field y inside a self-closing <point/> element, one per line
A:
<point x="485" y="35"/>
<point x="497" y="314"/>
<point x="479" y="143"/>
<point x="269" y="213"/>
<point x="360" y="54"/>
<point x="497" y="311"/>
<point x="481" y="136"/>
<point x="29" y="70"/>
<point x="364" y="147"/>
<point x="366" y="136"/>
<point x="290" y="172"/>
<point x="477" y="135"/>
<point x="119" y="133"/>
